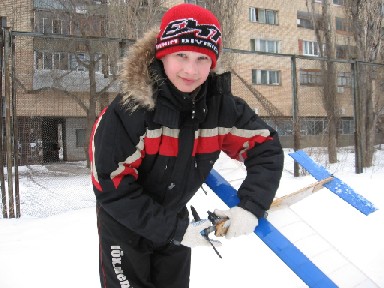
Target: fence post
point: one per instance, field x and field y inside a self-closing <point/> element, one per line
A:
<point x="357" y="118"/>
<point x="3" y="23"/>
<point x="295" y="114"/>
<point x="8" y="120"/>
<point x="15" y="127"/>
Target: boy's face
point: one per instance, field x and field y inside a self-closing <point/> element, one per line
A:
<point x="187" y="70"/>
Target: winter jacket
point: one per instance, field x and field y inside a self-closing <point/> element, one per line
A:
<point x="153" y="147"/>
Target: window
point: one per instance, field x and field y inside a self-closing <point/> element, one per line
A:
<point x="285" y="128"/>
<point x="342" y="24"/>
<point x="81" y="9"/>
<point x="282" y="126"/>
<point x="48" y="22"/>
<point x="345" y="51"/>
<point x="305" y="20"/>
<point x="75" y="27"/>
<point x="65" y="61"/>
<point x="38" y="60"/>
<point x="197" y="2"/>
<point x="310" y="48"/>
<point x="47" y="25"/>
<point x="347" y="126"/>
<point x="344" y="79"/>
<point x="252" y="14"/>
<point x="77" y="61"/>
<point x="341" y="51"/>
<point x="304" y="23"/>
<point x="263" y="45"/>
<point x="270" y="17"/>
<point x="48" y="60"/>
<point x="90" y="26"/>
<point x="265" y="77"/>
<point x="43" y="60"/>
<point x="311" y="77"/>
<point x="263" y="16"/>
<point x="57" y="26"/>
<point x="60" y="61"/>
<point x="48" y="4"/>
<point x="312" y="126"/>
<point x="98" y="59"/>
<point x="338" y="2"/>
<point x="80" y="137"/>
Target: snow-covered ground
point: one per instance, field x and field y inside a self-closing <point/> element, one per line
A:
<point x="55" y="242"/>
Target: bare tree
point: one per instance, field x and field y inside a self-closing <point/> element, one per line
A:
<point x="324" y="31"/>
<point x="131" y="19"/>
<point x="96" y="50"/>
<point x="227" y="12"/>
<point x="366" y="21"/>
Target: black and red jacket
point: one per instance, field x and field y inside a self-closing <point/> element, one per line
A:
<point x="151" y="153"/>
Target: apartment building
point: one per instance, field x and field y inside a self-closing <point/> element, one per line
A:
<point x="273" y="30"/>
<point x="52" y="73"/>
<point x="285" y="27"/>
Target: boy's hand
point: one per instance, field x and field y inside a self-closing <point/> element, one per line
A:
<point x="193" y="236"/>
<point x="240" y="221"/>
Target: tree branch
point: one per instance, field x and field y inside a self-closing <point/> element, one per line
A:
<point x="54" y="89"/>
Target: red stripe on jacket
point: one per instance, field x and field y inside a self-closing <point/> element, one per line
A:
<point x="91" y="151"/>
<point x="236" y="146"/>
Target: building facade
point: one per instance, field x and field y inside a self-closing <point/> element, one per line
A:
<point x="280" y="36"/>
<point x="61" y="62"/>
<point x="69" y="62"/>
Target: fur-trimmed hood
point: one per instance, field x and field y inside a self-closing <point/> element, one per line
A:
<point x="136" y="81"/>
<point x="135" y="77"/>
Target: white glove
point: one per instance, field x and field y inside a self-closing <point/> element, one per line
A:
<point x="193" y="237"/>
<point x="240" y="222"/>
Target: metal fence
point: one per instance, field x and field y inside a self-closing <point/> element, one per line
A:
<point x="54" y="86"/>
<point x="295" y="87"/>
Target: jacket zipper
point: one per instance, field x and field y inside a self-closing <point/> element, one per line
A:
<point x="193" y="106"/>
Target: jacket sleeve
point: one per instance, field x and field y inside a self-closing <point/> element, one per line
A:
<point x="256" y="144"/>
<point x="116" y="152"/>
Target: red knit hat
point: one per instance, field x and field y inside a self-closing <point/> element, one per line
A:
<point x="188" y="27"/>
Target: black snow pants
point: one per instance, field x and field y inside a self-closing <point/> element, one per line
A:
<point x="127" y="260"/>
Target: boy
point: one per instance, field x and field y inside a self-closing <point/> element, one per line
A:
<point x="155" y="144"/>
